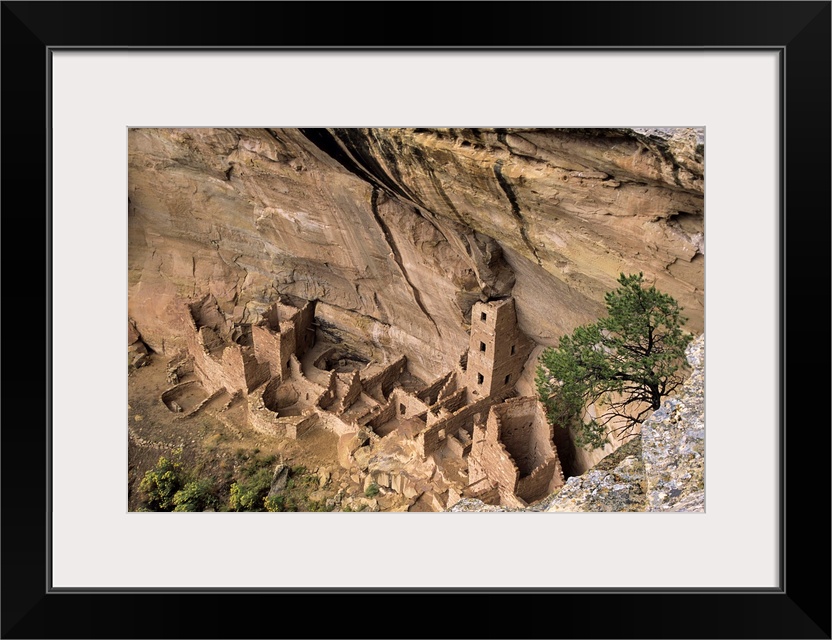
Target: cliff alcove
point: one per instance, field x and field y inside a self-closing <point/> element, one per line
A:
<point x="328" y="285"/>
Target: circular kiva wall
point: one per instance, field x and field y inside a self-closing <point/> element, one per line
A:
<point x="287" y="398"/>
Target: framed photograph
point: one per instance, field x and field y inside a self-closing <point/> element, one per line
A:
<point x="729" y="103"/>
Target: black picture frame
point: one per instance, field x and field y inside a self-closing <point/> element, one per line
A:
<point x="799" y="31"/>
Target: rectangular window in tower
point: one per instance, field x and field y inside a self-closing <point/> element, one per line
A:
<point x="482" y="316"/>
<point x="479" y="378"/>
<point x="512" y="349"/>
<point x="482" y="346"/>
<point x="508" y="377"/>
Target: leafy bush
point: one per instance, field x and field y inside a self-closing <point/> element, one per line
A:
<point x="372" y="490"/>
<point x="249" y="493"/>
<point x="196" y="496"/>
<point x="160" y="484"/>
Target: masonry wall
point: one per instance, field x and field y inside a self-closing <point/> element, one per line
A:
<point x="497" y="348"/>
<point x="385" y="415"/>
<point x="254" y="373"/>
<point x="514" y="451"/>
<point x="262" y="419"/>
<point x="352" y="384"/>
<point x="432" y="437"/>
<point x="490" y="459"/>
<point x="407" y="405"/>
<point x="525" y="432"/>
<point x="430" y="394"/>
<point x="449" y="388"/>
<point x="206" y="313"/>
<point x="304" y="329"/>
<point x="387" y="377"/>
<point x="296" y="428"/>
<point x="453" y="402"/>
<point x="227" y="372"/>
<point x="333" y="423"/>
<point x="267" y="348"/>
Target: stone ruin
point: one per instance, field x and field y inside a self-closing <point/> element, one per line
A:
<point x="462" y="435"/>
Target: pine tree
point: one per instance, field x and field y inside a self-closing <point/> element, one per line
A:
<point x="626" y="363"/>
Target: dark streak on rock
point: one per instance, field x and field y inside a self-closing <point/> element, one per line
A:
<point x="397" y="257"/>
<point x="515" y="207"/>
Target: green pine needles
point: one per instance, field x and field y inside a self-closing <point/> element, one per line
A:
<point x="619" y="368"/>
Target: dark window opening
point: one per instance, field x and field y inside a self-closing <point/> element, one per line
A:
<point x="287" y="363"/>
<point x="482" y="316"/>
<point x="508" y="377"/>
<point x="482" y="346"/>
<point x="402" y="408"/>
<point x="512" y="349"/>
<point x="479" y="378"/>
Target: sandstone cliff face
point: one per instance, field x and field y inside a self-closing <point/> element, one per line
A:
<point x="397" y="232"/>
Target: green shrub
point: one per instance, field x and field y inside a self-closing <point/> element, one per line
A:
<point x="196" y="496"/>
<point x="279" y="503"/>
<point x="160" y="484"/>
<point x="248" y="494"/>
<point x="372" y="490"/>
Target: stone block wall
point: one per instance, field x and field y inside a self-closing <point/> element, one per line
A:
<point x="206" y="313"/>
<point x="304" y="321"/>
<point x="525" y="432"/>
<point x="497" y="348"/>
<point x="383" y="416"/>
<point x="296" y="428"/>
<point x="430" y="394"/>
<point x="352" y="390"/>
<point x="489" y="457"/>
<point x="255" y="373"/>
<point x="514" y="451"/>
<point x="449" y="388"/>
<point x="542" y="482"/>
<point x="267" y="349"/>
<point x="406" y="404"/>
<point x="433" y="436"/>
<point x="387" y="377"/>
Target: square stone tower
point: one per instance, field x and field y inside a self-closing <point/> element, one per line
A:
<point x="497" y="349"/>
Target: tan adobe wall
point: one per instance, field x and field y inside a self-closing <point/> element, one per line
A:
<point x="433" y="436"/>
<point x="296" y="428"/>
<point x="453" y="402"/>
<point x="206" y="313"/>
<point x="430" y="394"/>
<point x="382" y="416"/>
<point x="449" y="388"/>
<point x="514" y="451"/>
<point x="386" y="378"/>
<point x="304" y="322"/>
<point x="543" y="481"/>
<point x="490" y="459"/>
<point x="267" y="349"/>
<point x="226" y="372"/>
<point x="497" y="348"/>
<point x="254" y="373"/>
<point x="525" y="432"/>
<point x="351" y="383"/>
<point x="406" y="405"/>
<point x="335" y="424"/>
